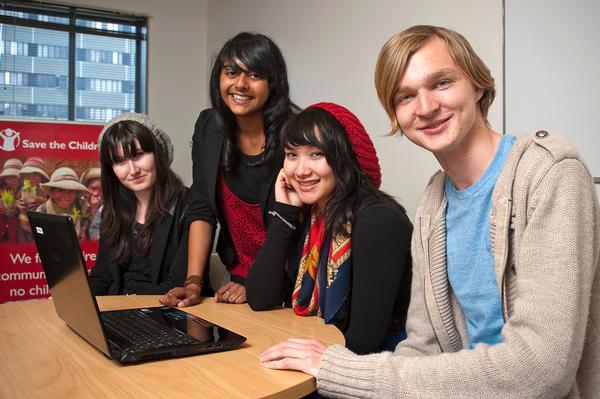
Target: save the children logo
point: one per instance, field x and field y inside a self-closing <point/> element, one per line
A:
<point x="9" y="139"/>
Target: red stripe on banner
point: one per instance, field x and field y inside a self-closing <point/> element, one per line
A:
<point x="21" y="274"/>
<point x="48" y="140"/>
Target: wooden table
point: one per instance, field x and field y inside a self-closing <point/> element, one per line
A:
<point x="40" y="357"/>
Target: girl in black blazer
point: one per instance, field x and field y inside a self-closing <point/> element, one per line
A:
<point x="236" y="158"/>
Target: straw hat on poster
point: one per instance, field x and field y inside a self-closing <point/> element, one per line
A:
<point x="66" y="179"/>
<point x="34" y="165"/>
<point x="12" y="167"/>
<point x="89" y="175"/>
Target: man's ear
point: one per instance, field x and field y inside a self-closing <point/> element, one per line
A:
<point x="479" y="92"/>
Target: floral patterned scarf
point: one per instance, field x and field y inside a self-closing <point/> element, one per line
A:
<point x="323" y="283"/>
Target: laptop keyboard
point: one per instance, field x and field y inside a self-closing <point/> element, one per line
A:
<point x="136" y="331"/>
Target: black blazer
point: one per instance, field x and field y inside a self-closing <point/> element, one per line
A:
<point x="207" y="145"/>
<point x="168" y="258"/>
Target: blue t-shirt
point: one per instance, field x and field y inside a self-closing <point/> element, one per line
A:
<point x="469" y="251"/>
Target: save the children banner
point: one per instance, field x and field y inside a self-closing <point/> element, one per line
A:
<point x="46" y="167"/>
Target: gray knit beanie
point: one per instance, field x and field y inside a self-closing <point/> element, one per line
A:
<point x="144" y="120"/>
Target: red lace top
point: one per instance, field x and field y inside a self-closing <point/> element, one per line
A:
<point x="245" y="225"/>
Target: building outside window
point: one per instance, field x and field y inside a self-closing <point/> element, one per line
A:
<point x="70" y="63"/>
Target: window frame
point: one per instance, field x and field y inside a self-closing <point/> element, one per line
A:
<point x="74" y="13"/>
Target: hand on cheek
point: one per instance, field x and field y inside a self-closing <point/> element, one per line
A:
<point x="284" y="192"/>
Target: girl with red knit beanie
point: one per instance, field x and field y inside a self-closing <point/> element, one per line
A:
<point x="337" y="247"/>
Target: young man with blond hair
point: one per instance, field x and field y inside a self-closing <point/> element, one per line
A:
<point x="505" y="292"/>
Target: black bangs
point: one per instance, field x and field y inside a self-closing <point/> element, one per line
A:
<point x="300" y="131"/>
<point x="124" y="134"/>
<point x="313" y="126"/>
<point x="252" y="51"/>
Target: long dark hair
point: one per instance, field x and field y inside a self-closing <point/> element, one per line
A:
<point x="259" y="54"/>
<point x="120" y="203"/>
<point x="353" y="188"/>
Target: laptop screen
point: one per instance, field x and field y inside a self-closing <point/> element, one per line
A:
<point x="66" y="273"/>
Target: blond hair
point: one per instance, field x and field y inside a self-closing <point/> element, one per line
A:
<point x="396" y="52"/>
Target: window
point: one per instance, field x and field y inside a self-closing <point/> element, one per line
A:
<point x="70" y="63"/>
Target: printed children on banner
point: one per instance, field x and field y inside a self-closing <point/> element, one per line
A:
<point x="9" y="193"/>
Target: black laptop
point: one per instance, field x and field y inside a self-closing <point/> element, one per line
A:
<point x="128" y="336"/>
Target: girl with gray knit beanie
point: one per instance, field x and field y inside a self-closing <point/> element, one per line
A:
<point x="143" y="235"/>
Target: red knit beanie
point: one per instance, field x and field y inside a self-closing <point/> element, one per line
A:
<point x="361" y="142"/>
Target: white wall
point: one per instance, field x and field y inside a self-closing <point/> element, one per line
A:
<point x="552" y="64"/>
<point x="331" y="48"/>
<point x="177" y="66"/>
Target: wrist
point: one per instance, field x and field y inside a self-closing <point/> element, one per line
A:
<point x="193" y="279"/>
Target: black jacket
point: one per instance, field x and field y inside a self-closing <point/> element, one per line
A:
<point x="381" y="271"/>
<point x="207" y="145"/>
<point x="168" y="258"/>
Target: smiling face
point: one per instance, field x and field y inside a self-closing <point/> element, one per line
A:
<point x="63" y="198"/>
<point x="309" y="174"/>
<point x="137" y="173"/>
<point x="436" y="104"/>
<point x="243" y="91"/>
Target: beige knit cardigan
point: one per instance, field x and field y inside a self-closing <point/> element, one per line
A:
<point x="545" y="234"/>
